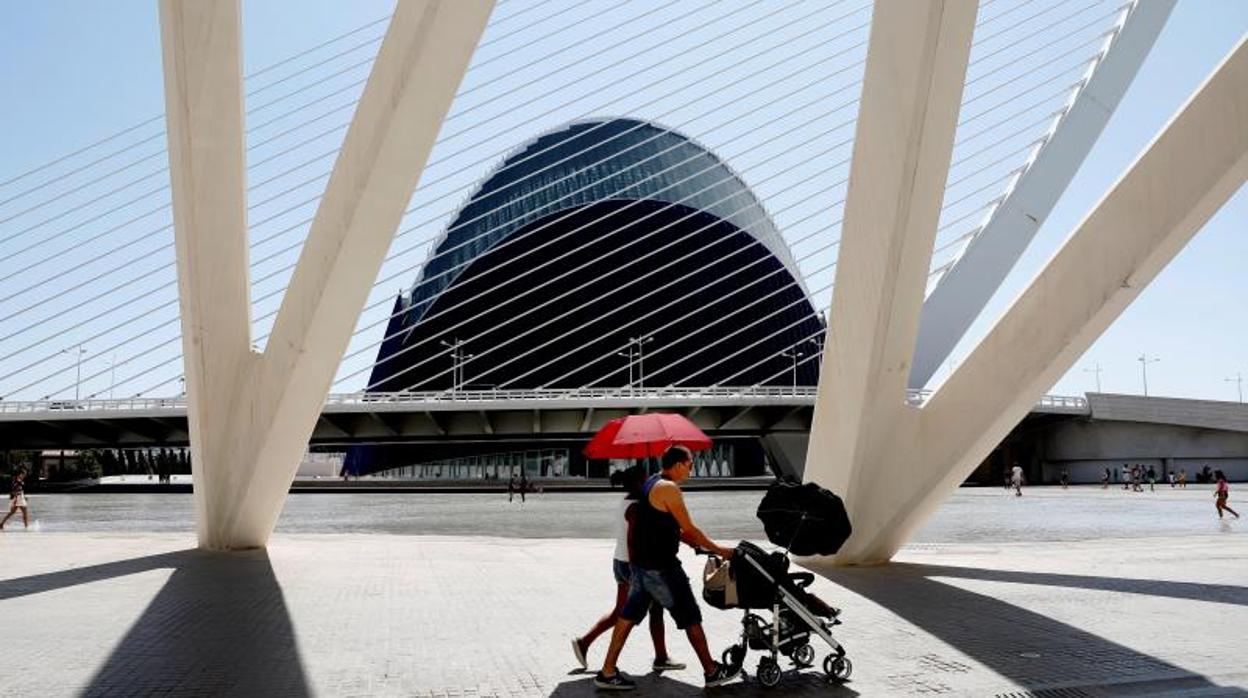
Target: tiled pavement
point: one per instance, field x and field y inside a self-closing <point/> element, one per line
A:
<point x="361" y="615"/>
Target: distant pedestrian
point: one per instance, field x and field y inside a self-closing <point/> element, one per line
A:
<point x="632" y="479"/>
<point x="1105" y="479"/>
<point x="17" y="500"/>
<point x="1152" y="479"/>
<point x="524" y="485"/>
<point x="1065" y="478"/>
<point x="1126" y="476"/>
<point x="511" y="487"/>
<point x="1183" y="479"/>
<point x="1016" y="480"/>
<point x="1221" y="493"/>
<point x="1170" y="477"/>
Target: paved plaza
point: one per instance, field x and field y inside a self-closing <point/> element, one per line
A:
<point x="96" y="613"/>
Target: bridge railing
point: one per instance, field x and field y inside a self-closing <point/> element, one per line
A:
<point x="914" y="397"/>
<point x="561" y="394"/>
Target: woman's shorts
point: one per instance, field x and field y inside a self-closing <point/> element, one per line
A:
<point x="623" y="571"/>
<point x="18" y="501"/>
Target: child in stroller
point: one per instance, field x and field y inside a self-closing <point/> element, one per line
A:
<point x="760" y="581"/>
<point x="805" y="520"/>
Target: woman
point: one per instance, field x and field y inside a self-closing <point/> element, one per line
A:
<point x="17" y="500"/>
<point x="632" y="480"/>
<point x="1221" y="492"/>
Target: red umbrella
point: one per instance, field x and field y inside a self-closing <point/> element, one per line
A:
<point x="645" y="435"/>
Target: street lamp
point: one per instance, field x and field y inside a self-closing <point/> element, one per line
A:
<point x="1144" y="362"/>
<point x="817" y="340"/>
<point x="793" y="353"/>
<point x="78" y="379"/>
<point x="628" y="355"/>
<point x="1097" y="371"/>
<point x="1238" y="380"/>
<point x="458" y="357"/>
<point x="641" y="365"/>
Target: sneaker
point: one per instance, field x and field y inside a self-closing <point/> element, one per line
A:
<point x="579" y="653"/>
<point x="667" y="664"/>
<point x="615" y="682"/>
<point x="722" y="675"/>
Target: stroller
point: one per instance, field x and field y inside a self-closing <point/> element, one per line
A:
<point x="803" y="519"/>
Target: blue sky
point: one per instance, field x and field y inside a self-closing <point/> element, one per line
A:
<point x="76" y="72"/>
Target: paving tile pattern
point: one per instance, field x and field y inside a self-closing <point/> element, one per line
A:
<point x="378" y="615"/>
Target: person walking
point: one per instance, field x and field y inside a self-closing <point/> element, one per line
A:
<point x="1065" y="478"/>
<point x="1183" y="479"/>
<point x="1126" y="476"/>
<point x="1152" y="479"/>
<point x="524" y="485"/>
<point x="661" y="523"/>
<point x="1016" y="480"/>
<point x="1221" y="493"/>
<point x="1105" y="479"/>
<point x="511" y="487"/>
<point x="17" y="500"/>
<point x="632" y="479"/>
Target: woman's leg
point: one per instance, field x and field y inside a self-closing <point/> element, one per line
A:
<point x="657" y="634"/>
<point x="606" y="622"/>
<point x="26" y="521"/>
<point x="12" y="511"/>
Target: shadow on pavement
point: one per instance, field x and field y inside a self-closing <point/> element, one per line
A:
<point x="1218" y="593"/>
<point x="805" y="684"/>
<point x="219" y="626"/>
<point x="1026" y="647"/>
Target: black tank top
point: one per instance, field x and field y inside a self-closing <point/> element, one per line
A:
<point x="656" y="535"/>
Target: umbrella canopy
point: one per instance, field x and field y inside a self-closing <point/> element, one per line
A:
<point x="805" y="519"/>
<point x="645" y="435"/>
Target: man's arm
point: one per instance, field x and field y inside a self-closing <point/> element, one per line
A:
<point x="667" y="497"/>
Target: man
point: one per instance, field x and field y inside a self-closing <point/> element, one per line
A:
<point x="660" y="523"/>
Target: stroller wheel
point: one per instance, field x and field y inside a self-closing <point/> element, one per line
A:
<point x="804" y="655"/>
<point x="837" y="668"/>
<point x="769" y="672"/>
<point x="734" y="656"/>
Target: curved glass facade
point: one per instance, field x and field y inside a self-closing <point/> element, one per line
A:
<point x="590" y="235"/>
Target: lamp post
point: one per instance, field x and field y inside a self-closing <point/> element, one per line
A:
<point x="78" y="370"/>
<point x="1144" y="362"/>
<point x="817" y="340"/>
<point x="628" y="355"/>
<point x="458" y="357"/>
<point x="793" y="353"/>
<point x="1097" y="370"/>
<point x="641" y="365"/>
<point x="1238" y="380"/>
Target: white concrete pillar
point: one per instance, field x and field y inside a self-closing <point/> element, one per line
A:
<point x="204" y="115"/>
<point x="1198" y="161"/>
<point x="912" y="91"/>
<point x="269" y="403"/>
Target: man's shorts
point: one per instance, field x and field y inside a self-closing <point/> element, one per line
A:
<point x="668" y="588"/>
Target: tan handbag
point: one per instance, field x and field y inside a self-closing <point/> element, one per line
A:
<point x="719" y="588"/>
